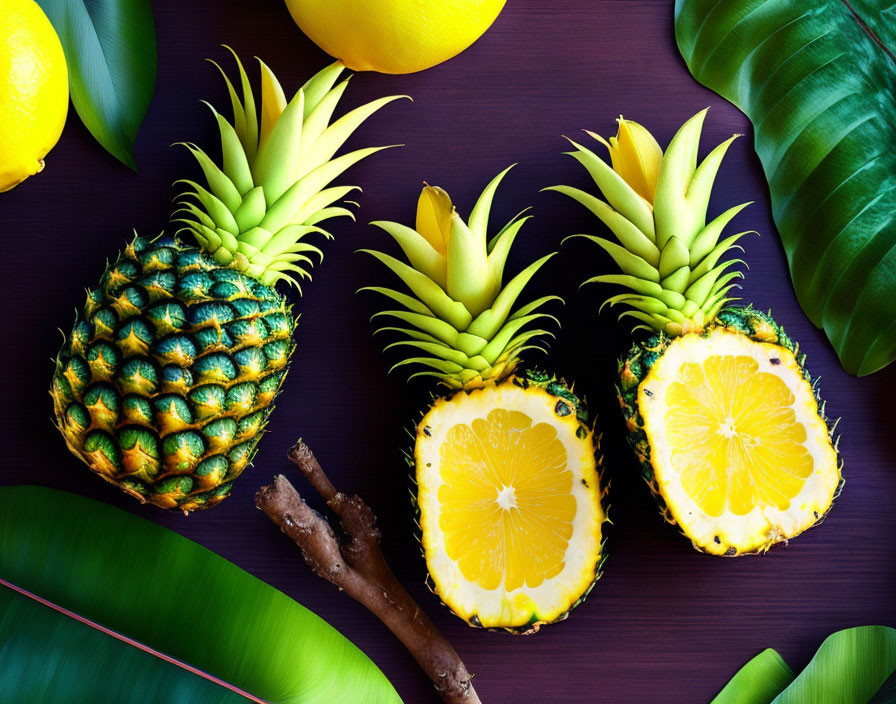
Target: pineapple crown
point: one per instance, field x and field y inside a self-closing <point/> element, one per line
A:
<point x="460" y="316"/>
<point x="270" y="190"/>
<point x="656" y="207"/>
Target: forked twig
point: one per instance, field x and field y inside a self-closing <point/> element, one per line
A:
<point x="356" y="564"/>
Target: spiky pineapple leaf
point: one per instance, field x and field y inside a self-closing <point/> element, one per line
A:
<point x="816" y="79"/>
<point x="158" y="589"/>
<point x="460" y="312"/>
<point x="110" y="49"/>
<point x="277" y="160"/>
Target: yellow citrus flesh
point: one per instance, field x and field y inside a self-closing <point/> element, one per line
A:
<point x="508" y="487"/>
<point x="740" y="454"/>
<point x="510" y="505"/>
<point x="394" y="36"/>
<point x="33" y="90"/>
<point x="736" y="441"/>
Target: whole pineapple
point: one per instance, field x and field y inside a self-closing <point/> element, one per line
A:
<point x="507" y="465"/>
<point x="722" y="415"/>
<point x="167" y="379"/>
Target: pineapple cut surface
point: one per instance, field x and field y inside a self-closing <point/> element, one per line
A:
<point x="510" y="504"/>
<point x="739" y="451"/>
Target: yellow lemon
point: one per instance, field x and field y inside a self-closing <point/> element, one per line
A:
<point x="394" y="36"/>
<point x="33" y="90"/>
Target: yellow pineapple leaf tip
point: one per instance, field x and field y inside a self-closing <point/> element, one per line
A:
<point x="655" y="204"/>
<point x="454" y="272"/>
<point x="272" y="185"/>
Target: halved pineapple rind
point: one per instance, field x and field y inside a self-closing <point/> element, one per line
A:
<point x="510" y="504"/>
<point x="740" y="453"/>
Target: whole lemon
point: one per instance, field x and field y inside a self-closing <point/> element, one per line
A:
<point x="394" y="36"/>
<point x="33" y="90"/>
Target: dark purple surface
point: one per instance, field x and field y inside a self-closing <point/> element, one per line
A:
<point x="665" y="624"/>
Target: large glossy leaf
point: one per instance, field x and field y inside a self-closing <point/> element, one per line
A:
<point x="110" y="48"/>
<point x="49" y="657"/>
<point x="167" y="594"/>
<point x="850" y="666"/>
<point x="757" y="682"/>
<point x="887" y="693"/>
<point x="853" y="666"/>
<point x="818" y="80"/>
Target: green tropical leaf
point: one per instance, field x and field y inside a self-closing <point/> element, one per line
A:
<point x="887" y="693"/>
<point x="757" y="682"/>
<point x="853" y="666"/>
<point x="110" y="48"/>
<point x="849" y="667"/>
<point x="817" y="80"/>
<point x="169" y="595"/>
<point x="85" y="660"/>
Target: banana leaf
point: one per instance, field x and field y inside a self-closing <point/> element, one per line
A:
<point x="757" y="682"/>
<point x="850" y="666"/>
<point x="887" y="693"/>
<point x="853" y="666"/>
<point x="84" y="664"/>
<point x="817" y="80"/>
<point x="136" y="606"/>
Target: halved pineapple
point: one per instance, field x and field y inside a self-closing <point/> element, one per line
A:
<point x="736" y="441"/>
<point x="509" y="497"/>
<point x="720" y="410"/>
<point x="507" y="466"/>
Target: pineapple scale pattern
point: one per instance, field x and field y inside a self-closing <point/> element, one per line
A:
<point x="167" y="380"/>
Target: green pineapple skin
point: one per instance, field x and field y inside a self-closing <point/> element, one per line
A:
<point x="166" y="381"/>
<point x="567" y="402"/>
<point x="635" y="366"/>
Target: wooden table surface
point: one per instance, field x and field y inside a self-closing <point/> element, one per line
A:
<point x="664" y="624"/>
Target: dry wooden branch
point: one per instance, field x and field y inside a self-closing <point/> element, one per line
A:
<point x="356" y="564"/>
